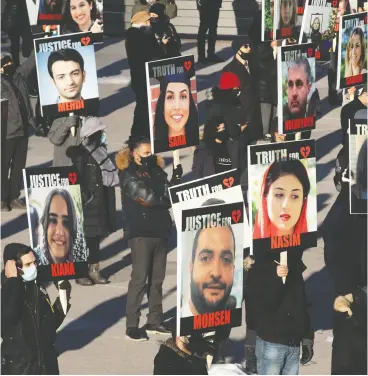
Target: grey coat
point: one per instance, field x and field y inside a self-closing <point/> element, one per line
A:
<point x="60" y="135"/>
<point x="9" y="88"/>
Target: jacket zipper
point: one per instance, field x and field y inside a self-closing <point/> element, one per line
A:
<point x="36" y="326"/>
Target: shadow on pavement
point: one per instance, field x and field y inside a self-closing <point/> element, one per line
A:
<point x="14" y="226"/>
<point x="94" y="323"/>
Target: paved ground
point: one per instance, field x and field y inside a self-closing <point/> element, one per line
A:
<point x="92" y="339"/>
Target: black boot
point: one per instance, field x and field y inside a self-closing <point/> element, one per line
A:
<point x="84" y="282"/>
<point x="96" y="277"/>
<point x="219" y="357"/>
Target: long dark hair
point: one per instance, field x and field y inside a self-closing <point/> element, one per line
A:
<point x="72" y="217"/>
<point x="68" y="23"/>
<point x="161" y="129"/>
<point x="294" y="167"/>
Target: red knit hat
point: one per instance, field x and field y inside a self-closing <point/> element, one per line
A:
<point x="229" y="80"/>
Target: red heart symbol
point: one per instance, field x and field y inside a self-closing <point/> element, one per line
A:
<point x="85" y="41"/>
<point x="236" y="215"/>
<point x="310" y="52"/>
<point x="228" y="182"/>
<point x="187" y="65"/>
<point x="305" y="151"/>
<point x="72" y="177"/>
<point x="318" y="54"/>
<point x="334" y="3"/>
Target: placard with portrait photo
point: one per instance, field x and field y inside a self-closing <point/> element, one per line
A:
<point x="80" y="16"/>
<point x="316" y="20"/>
<point x="297" y="93"/>
<point x="352" y="62"/>
<point x="55" y="221"/>
<point x="172" y="103"/>
<point x="67" y="75"/>
<point x="285" y="20"/>
<point x="358" y="156"/>
<point x="50" y="11"/>
<point x="283" y="196"/>
<point x="211" y="269"/>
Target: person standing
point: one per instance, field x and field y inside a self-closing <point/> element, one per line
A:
<point x="28" y="320"/>
<point x="141" y="47"/>
<point x="209" y="12"/>
<point x="144" y="189"/>
<point x="20" y="116"/>
<point x="98" y="177"/>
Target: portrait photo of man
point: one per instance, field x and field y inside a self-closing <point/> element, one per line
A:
<point x="66" y="69"/>
<point x="211" y="270"/>
<point x="299" y="82"/>
<point x="51" y="6"/>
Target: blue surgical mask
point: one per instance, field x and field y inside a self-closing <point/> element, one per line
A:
<point x="30" y="274"/>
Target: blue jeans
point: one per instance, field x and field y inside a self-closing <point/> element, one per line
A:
<point x="276" y="359"/>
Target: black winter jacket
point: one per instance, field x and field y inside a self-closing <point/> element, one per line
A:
<point x="249" y="96"/>
<point x="28" y="329"/>
<point x="99" y="210"/>
<point x="141" y="47"/>
<point x="279" y="311"/>
<point x="146" y="201"/>
<point x="20" y="112"/>
<point x="170" y="360"/>
<point x="172" y="48"/>
<point x="15" y="17"/>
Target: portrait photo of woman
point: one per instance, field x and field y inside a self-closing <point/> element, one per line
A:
<point x="355" y="56"/>
<point x="81" y="16"/>
<point x="288" y="13"/>
<point x="315" y="27"/>
<point x="282" y="210"/>
<point x="62" y="239"/>
<point x="176" y="115"/>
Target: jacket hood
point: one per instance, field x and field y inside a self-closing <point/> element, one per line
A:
<point x="226" y="97"/>
<point x="11" y="250"/>
<point x="172" y="345"/>
<point x="91" y="125"/>
<point x="123" y="159"/>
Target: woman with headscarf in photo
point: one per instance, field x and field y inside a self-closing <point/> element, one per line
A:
<point x="284" y="198"/>
<point x="176" y="115"/>
<point x="81" y="16"/>
<point x="63" y="237"/>
<point x="288" y="13"/>
<point x="355" y="57"/>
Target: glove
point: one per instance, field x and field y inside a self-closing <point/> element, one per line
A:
<point x="307" y="351"/>
<point x="177" y="174"/>
<point x="201" y="347"/>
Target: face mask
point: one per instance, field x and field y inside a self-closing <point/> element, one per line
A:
<point x="149" y="162"/>
<point x="30" y="274"/>
<point x="103" y="138"/>
<point x="9" y="70"/>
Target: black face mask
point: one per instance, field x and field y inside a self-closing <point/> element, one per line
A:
<point x="149" y="162"/>
<point x="9" y="70"/>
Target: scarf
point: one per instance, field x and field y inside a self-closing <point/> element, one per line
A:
<point x="79" y="251"/>
<point x="90" y="126"/>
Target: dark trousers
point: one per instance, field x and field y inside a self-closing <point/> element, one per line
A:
<point x="140" y="125"/>
<point x="209" y="16"/>
<point x="13" y="160"/>
<point x="148" y="274"/>
<point x="93" y="245"/>
<point x="27" y="44"/>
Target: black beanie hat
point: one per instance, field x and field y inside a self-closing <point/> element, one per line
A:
<point x="11" y="250"/>
<point x="158" y="9"/>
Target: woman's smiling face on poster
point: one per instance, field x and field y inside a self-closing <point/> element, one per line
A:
<point x="81" y="12"/>
<point x="176" y="108"/>
<point x="58" y="234"/>
<point x="355" y="49"/>
<point x="285" y="202"/>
